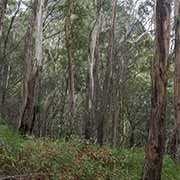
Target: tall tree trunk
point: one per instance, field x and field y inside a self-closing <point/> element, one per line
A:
<point x="68" y="39"/>
<point x="5" y="67"/>
<point x="3" y="5"/>
<point x="175" y="138"/>
<point x="156" y="139"/>
<point x="93" y="73"/>
<point x="108" y="78"/>
<point x="33" y="60"/>
<point x="115" y="109"/>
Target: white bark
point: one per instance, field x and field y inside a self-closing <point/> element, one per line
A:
<point x="94" y="35"/>
<point x="39" y="34"/>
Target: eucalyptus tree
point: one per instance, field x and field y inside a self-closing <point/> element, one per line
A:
<point x="69" y="41"/>
<point x="3" y="6"/>
<point x="33" y="62"/>
<point x="106" y="87"/>
<point x="156" y="139"/>
<point x="93" y="62"/>
<point x="175" y="137"/>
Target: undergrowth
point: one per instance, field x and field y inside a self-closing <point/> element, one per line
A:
<point x="33" y="158"/>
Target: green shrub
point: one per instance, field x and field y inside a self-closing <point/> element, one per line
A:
<point x="73" y="160"/>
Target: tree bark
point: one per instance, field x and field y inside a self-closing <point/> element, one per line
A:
<point x="5" y="67"/>
<point x="175" y="138"/>
<point x="107" y="80"/>
<point x="93" y="59"/>
<point x="3" y="5"/>
<point x="33" y="61"/>
<point x="68" y="39"/>
<point x="156" y="139"/>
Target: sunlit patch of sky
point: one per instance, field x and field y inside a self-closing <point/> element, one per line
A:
<point x="134" y="5"/>
<point x="23" y="6"/>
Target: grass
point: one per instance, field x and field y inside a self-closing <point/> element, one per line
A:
<point x="73" y="160"/>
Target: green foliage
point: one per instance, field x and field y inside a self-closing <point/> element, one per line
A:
<point x="73" y="160"/>
<point x="9" y="138"/>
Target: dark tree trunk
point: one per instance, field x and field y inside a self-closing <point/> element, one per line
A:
<point x="175" y="138"/>
<point x="156" y="139"/>
<point x="100" y="132"/>
<point x="107" y="80"/>
<point x="3" y="6"/>
<point x="69" y="41"/>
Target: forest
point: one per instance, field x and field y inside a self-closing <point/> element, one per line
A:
<point x="89" y="89"/>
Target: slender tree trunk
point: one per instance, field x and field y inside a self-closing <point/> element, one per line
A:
<point x="108" y="77"/>
<point x="116" y="95"/>
<point x="115" y="115"/>
<point x="68" y="39"/>
<point x="39" y="57"/>
<point x="5" y="67"/>
<point x="175" y="138"/>
<point x="93" y="71"/>
<point x="5" y="82"/>
<point x="3" y="5"/>
<point x="156" y="139"/>
<point x="33" y="60"/>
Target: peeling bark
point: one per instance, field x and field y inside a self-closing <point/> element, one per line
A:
<point x="175" y="137"/>
<point x="156" y="139"/>
<point x="93" y="59"/>
<point x="33" y="63"/>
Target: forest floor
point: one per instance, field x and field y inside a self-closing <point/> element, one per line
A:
<point x="40" y="159"/>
